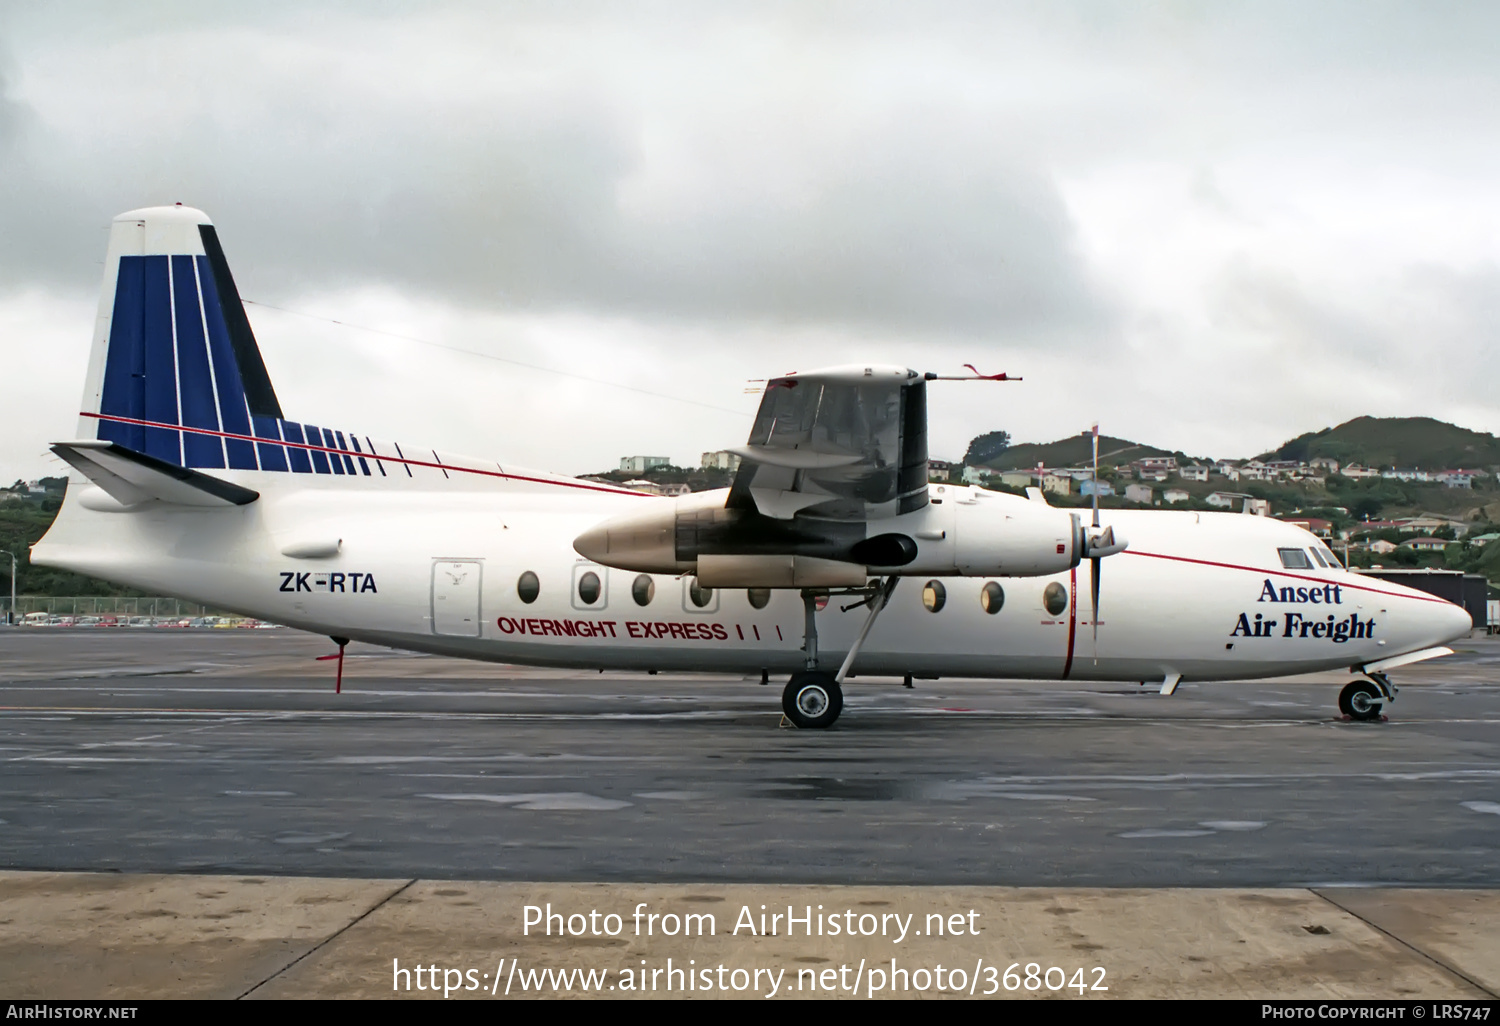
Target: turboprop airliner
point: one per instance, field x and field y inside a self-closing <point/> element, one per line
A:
<point x="832" y="555"/>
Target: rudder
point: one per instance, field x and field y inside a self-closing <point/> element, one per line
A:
<point x="175" y="371"/>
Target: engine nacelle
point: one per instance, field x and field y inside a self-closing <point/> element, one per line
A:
<point x="1003" y="536"/>
<point x="962" y="531"/>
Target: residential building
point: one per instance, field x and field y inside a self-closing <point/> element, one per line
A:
<point x="1458" y="478"/>
<point x="1406" y="474"/>
<point x="1258" y="507"/>
<point x="722" y="459"/>
<point x="1225" y="500"/>
<point x="1481" y="540"/>
<point x="1013" y="478"/>
<point x="1318" y="526"/>
<point x="1382" y="547"/>
<point x="939" y="470"/>
<point x="641" y="464"/>
<point x="1175" y="495"/>
<point x="1087" y="488"/>
<point x="1193" y="472"/>
<point x="1057" y="484"/>
<point x="1426" y="544"/>
<point x="1138" y="493"/>
<point x="1354" y="471"/>
<point x="1325" y="464"/>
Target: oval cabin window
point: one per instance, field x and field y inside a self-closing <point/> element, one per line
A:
<point x="933" y="596"/>
<point x="759" y="597"/>
<point x="700" y="595"/>
<point x="589" y="588"/>
<point x="528" y="587"/>
<point x="992" y="597"/>
<point x="1055" y="598"/>
<point x="643" y="590"/>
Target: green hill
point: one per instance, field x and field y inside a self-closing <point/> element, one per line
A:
<point x="1076" y="451"/>
<point x="1396" y="441"/>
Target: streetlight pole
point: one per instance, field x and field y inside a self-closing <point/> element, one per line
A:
<point x="10" y="614"/>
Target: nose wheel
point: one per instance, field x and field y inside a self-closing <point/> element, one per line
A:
<point x="1361" y="700"/>
<point x="812" y="699"/>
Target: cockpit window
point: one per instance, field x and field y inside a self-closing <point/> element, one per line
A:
<point x="1330" y="558"/>
<point x="1295" y="559"/>
<point x="1318" y="556"/>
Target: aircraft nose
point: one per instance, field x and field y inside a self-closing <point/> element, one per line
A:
<point x="1451" y="623"/>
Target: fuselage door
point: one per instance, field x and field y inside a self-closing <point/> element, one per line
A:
<point x="455" y="597"/>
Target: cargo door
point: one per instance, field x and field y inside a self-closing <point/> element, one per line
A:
<point x="455" y="597"/>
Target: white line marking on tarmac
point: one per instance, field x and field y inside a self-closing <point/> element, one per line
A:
<point x="560" y="801"/>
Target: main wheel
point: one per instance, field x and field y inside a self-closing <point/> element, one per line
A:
<point x="812" y="699"/>
<point x="1360" y="700"/>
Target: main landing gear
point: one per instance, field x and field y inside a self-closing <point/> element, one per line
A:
<point x="1363" y="699"/>
<point x="813" y="698"/>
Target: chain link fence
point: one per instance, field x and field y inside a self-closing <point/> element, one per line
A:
<point x="104" y="605"/>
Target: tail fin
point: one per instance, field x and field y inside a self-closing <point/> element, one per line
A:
<point x="175" y="372"/>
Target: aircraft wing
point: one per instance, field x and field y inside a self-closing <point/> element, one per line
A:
<point x="847" y="443"/>
<point x="132" y="478"/>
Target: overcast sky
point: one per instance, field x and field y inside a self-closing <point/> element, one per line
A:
<point x="1209" y="226"/>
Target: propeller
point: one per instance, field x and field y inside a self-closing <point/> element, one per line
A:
<point x="1099" y="544"/>
<point x="1094" y="565"/>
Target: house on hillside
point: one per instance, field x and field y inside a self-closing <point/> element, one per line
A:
<point x="1354" y="471"/>
<point x="1087" y="488"/>
<point x="1458" y="478"/>
<point x="1318" y="526"/>
<point x="1138" y="493"/>
<point x="1479" y="541"/>
<point x="1193" y="472"/>
<point x="1382" y="547"/>
<point x="1057" y="484"/>
<point x="1426" y="544"/>
<point x="1258" y="507"/>
<point x="1016" y="478"/>
<point x="939" y="470"/>
<point x="1323" y="463"/>
<point x="721" y="459"/>
<point x="1225" y="500"/>
<point x="1175" y="495"/>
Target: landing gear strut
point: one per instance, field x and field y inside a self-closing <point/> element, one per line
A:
<point x="1363" y="699"/>
<point x="814" y="698"/>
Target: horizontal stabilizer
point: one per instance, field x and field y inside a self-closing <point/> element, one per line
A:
<point x="132" y="478"/>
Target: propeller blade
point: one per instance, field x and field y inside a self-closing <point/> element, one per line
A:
<point x="1096" y="476"/>
<point x="1094" y="589"/>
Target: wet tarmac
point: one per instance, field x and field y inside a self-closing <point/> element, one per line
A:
<point x="226" y="751"/>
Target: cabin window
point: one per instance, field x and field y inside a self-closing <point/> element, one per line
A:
<point x="643" y="590"/>
<point x="1294" y="559"/>
<point x="934" y="595"/>
<point x="699" y="595"/>
<point x="528" y="587"/>
<point x="1055" y="598"/>
<point x="992" y="597"/>
<point x="589" y="588"/>
<point x="759" y="597"/>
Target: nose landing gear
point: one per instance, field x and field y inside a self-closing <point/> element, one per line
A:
<point x="1363" y="699"/>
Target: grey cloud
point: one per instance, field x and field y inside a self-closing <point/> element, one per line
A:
<point x="515" y="202"/>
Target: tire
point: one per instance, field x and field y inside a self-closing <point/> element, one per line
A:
<point x="1361" y="700"/>
<point x="812" y="700"/>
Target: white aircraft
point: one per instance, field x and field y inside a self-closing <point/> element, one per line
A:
<point x="190" y="481"/>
